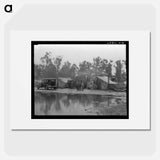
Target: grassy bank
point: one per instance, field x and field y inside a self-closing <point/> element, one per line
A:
<point x="85" y="91"/>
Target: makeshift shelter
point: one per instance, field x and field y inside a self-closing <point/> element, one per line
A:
<point x="103" y="83"/>
<point x="63" y="82"/>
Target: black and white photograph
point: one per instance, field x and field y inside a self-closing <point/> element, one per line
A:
<point x="79" y="79"/>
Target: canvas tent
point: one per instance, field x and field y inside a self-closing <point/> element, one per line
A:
<point x="63" y="82"/>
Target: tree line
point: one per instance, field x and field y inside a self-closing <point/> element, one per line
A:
<point x="52" y="67"/>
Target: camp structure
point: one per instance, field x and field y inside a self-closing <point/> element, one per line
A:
<point x="103" y="83"/>
<point x="63" y="82"/>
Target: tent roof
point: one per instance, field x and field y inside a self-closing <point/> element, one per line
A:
<point x="65" y="80"/>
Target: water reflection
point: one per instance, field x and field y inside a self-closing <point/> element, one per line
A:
<point x="78" y="104"/>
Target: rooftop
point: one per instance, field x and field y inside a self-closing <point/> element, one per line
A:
<point x="105" y="79"/>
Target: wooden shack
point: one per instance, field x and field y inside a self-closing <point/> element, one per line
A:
<point x="103" y="83"/>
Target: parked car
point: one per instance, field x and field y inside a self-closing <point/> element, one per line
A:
<point x="47" y="83"/>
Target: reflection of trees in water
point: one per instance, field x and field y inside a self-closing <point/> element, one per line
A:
<point x="86" y="100"/>
<point x="49" y="100"/>
<point x="106" y="101"/>
<point x="57" y="102"/>
<point x="98" y="100"/>
<point x="48" y="104"/>
<point x="83" y="100"/>
<point x="65" y="100"/>
<point x="39" y="102"/>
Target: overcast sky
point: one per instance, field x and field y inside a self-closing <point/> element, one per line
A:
<point x="78" y="53"/>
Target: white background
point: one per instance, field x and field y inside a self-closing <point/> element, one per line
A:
<point x="20" y="80"/>
<point x="88" y="145"/>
